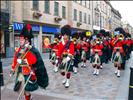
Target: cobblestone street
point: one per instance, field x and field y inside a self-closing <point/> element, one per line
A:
<point x="83" y="85"/>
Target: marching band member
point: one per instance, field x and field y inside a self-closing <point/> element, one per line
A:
<point x="28" y="66"/>
<point x="97" y="55"/>
<point x="55" y="52"/>
<point x="66" y="51"/>
<point x="118" y="53"/>
<point x="77" y="48"/>
<point x="85" y="49"/>
<point x="128" y="44"/>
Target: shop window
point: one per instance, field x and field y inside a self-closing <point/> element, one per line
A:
<point x="46" y="40"/>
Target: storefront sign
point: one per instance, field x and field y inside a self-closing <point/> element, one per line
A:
<point x="19" y="26"/>
<point x="50" y="29"/>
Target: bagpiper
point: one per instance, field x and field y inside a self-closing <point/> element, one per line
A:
<point x="107" y="47"/>
<point x="128" y="45"/>
<point x="118" y="52"/>
<point x="97" y="54"/>
<point x="77" y="48"/>
<point x="28" y="66"/>
<point x="66" y="51"/>
<point x="84" y="50"/>
<point x="54" y="54"/>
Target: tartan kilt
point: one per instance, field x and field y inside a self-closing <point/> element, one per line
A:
<point x="67" y="66"/>
<point x="122" y="58"/>
<point x="31" y="85"/>
<point x="88" y="55"/>
<point x="92" y="58"/>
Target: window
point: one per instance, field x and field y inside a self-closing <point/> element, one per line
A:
<point x="75" y="0"/>
<point x="85" y="3"/>
<point x="89" y="4"/>
<point x="56" y="8"/>
<point x="35" y="5"/>
<point x="75" y="14"/>
<point x="47" y="6"/>
<point x="63" y="12"/>
<point x="88" y="19"/>
<point x="97" y="19"/>
<point x="81" y="2"/>
<point x="80" y="16"/>
<point x="84" y="17"/>
<point x="102" y="21"/>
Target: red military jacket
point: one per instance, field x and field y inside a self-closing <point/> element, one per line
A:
<point x="63" y="50"/>
<point x="117" y="45"/>
<point x="129" y="42"/>
<point x="30" y="59"/>
<point x="97" y="48"/>
<point x="85" y="46"/>
<point x="77" y="48"/>
<point x="55" y="48"/>
<point x="106" y="43"/>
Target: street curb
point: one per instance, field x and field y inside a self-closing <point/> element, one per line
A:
<point x="122" y="93"/>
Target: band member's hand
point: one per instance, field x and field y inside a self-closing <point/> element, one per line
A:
<point x="25" y="61"/>
<point x="19" y="61"/>
<point x="68" y="59"/>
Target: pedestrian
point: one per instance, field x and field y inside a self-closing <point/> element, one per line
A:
<point x="28" y="66"/>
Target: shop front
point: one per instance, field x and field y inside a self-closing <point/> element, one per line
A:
<point x="17" y="30"/>
<point x="5" y="48"/>
<point x="48" y="36"/>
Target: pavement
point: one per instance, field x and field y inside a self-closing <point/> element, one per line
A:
<point x="83" y="85"/>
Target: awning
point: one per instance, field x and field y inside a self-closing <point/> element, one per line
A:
<point x="50" y="29"/>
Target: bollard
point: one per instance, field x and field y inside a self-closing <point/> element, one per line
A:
<point x="1" y="75"/>
<point x="130" y="96"/>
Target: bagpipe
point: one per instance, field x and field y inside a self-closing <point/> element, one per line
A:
<point x="67" y="63"/>
<point x="53" y="57"/>
<point x="116" y="57"/>
<point x="53" y="53"/>
<point x="119" y="38"/>
<point x="83" y="54"/>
